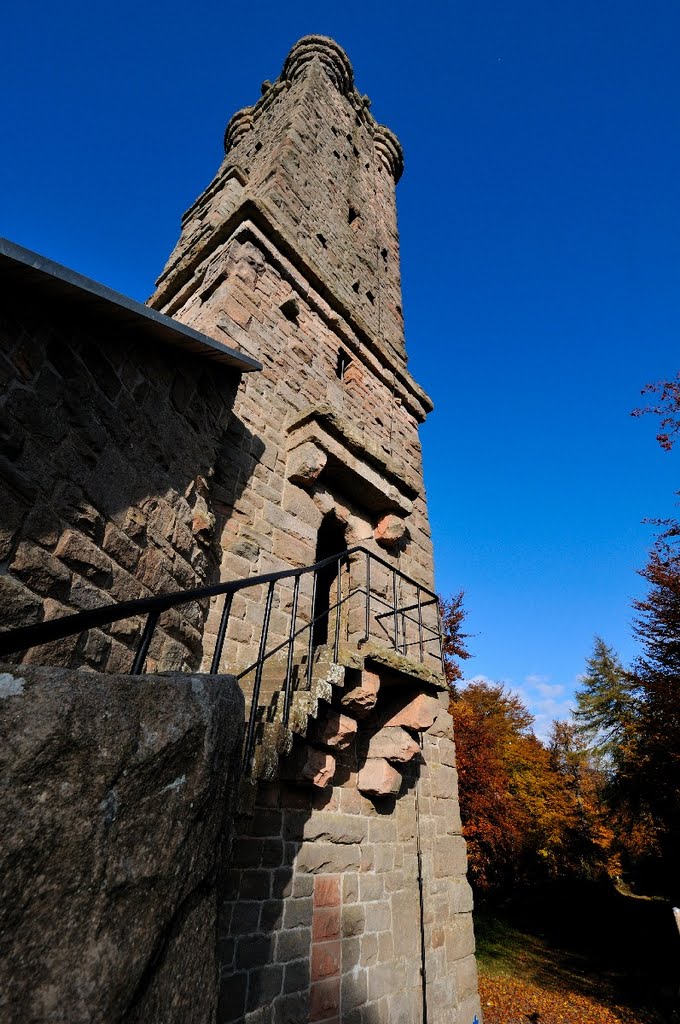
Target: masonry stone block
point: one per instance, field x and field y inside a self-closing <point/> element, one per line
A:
<point x="361" y="698"/>
<point x="418" y="713"/>
<point x="326" y="959"/>
<point x="450" y="856"/>
<point x="378" y="777"/>
<point x="442" y="725"/>
<point x="322" y="858"/>
<point x="296" y="976"/>
<point x="293" y="944"/>
<point x="298" y="913"/>
<point x="390" y="531"/>
<point x="309" y="764"/>
<point x="444" y="782"/>
<point x="393" y="743"/>
<point x="336" y="828"/>
<point x="306" y="463"/>
<point x="325" y="999"/>
<point x="353" y="991"/>
<point x="334" y="730"/>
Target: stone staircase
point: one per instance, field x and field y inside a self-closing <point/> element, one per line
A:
<point x="272" y="739"/>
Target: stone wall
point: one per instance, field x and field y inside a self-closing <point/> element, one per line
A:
<point x="114" y="803"/>
<point x="275" y="521"/>
<point x="346" y="897"/>
<point x="112" y="444"/>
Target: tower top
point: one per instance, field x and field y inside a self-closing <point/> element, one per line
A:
<point x="310" y="166"/>
<point x="337" y="67"/>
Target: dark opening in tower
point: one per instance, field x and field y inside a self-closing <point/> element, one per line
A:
<point x="330" y="541"/>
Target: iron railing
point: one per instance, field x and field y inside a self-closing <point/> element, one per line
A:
<point x="401" y="626"/>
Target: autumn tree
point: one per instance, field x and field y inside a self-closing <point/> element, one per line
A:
<point x="512" y="803"/>
<point x="589" y="847"/>
<point x="454" y="639"/>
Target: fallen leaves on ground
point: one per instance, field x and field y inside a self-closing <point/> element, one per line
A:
<point x="509" y="1001"/>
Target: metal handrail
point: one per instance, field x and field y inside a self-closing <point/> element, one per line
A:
<point x="26" y="637"/>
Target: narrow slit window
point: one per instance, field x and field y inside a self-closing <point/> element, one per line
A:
<point x="343" y="363"/>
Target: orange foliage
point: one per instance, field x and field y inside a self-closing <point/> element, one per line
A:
<point x="509" y="1001"/>
<point x="529" y="813"/>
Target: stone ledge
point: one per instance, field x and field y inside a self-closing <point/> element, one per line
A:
<point x="322" y="425"/>
<point x="406" y="669"/>
<point x="257" y="220"/>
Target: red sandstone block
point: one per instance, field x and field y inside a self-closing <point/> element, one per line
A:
<point x="327" y="891"/>
<point x="325" y="1000"/>
<point x="334" y="730"/>
<point x="326" y="959"/>
<point x="418" y="714"/>
<point x="378" y="778"/>
<point x="325" y="924"/>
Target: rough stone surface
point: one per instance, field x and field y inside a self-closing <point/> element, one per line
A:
<point x="334" y="730"/>
<point x="393" y="743"/>
<point x="360" y="699"/>
<point x="390" y="531"/>
<point x="378" y="777"/>
<point x="418" y="713"/>
<point x="305" y="464"/>
<point x="116" y="482"/>
<point x="113" y="800"/>
<point x="308" y="764"/>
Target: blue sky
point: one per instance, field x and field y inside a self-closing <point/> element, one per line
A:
<point x="540" y="225"/>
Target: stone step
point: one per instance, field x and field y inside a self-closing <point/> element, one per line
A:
<point x="273" y="740"/>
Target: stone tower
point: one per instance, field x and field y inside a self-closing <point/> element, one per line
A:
<point x="345" y="896"/>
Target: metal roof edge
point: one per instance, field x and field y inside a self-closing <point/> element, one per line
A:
<point x="176" y="331"/>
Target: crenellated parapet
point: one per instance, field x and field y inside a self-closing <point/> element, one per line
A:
<point x="311" y="168"/>
<point x="331" y="58"/>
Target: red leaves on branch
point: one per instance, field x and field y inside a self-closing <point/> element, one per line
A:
<point x="453" y="614"/>
<point x="667" y="407"/>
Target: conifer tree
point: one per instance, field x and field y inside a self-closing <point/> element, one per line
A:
<point x="606" y="706"/>
<point x="657" y="754"/>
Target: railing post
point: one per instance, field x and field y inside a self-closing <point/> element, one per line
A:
<point x="287" y="693"/>
<point x="143" y="646"/>
<point x="441" y="637"/>
<point x="258" y="678"/>
<point x="310" y="646"/>
<point x="368" y="597"/>
<point x="394" y="610"/>
<point x="338" y="605"/>
<point x="421" y="644"/>
<point x="221" y="634"/>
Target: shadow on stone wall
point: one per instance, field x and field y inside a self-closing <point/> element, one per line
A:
<point x="121" y="462"/>
<point x="319" y="916"/>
